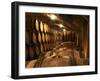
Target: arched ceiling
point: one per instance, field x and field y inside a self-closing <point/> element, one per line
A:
<point x="70" y="22"/>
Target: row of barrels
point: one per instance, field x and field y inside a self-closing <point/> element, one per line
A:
<point x="69" y="36"/>
<point x="43" y="38"/>
<point x="39" y="26"/>
<point x="42" y="33"/>
<point x="38" y="41"/>
<point x="34" y="51"/>
<point x="38" y="38"/>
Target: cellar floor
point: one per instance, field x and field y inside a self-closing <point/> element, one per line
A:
<point x="62" y="55"/>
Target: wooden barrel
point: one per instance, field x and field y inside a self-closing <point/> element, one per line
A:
<point x="68" y="35"/>
<point x="64" y="35"/>
<point x="39" y="37"/>
<point x="34" y="38"/>
<point x="48" y="29"/>
<point x="46" y="37"/>
<point x="37" y="24"/>
<point x="45" y="28"/>
<point x="41" y="48"/>
<point x="41" y="26"/>
<point x="43" y="37"/>
<point x="45" y="48"/>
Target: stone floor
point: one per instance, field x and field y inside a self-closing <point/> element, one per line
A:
<point x="59" y="56"/>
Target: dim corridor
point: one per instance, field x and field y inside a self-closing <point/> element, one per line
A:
<point x="56" y="40"/>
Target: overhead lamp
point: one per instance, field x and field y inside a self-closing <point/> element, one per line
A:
<point x="61" y="25"/>
<point x="64" y="30"/>
<point x="52" y="16"/>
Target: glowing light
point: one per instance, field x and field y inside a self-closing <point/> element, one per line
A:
<point x="64" y="30"/>
<point x="53" y="17"/>
<point x="61" y="25"/>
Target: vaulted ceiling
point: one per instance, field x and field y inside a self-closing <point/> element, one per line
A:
<point x="70" y="22"/>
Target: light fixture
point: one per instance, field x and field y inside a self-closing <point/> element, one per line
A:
<point x="61" y="25"/>
<point x="64" y="30"/>
<point x="52" y="16"/>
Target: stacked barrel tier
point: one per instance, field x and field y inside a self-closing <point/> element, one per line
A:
<point x="45" y="38"/>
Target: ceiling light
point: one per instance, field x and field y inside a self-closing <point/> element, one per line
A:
<point x="64" y="30"/>
<point x="61" y="25"/>
<point x="53" y="17"/>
